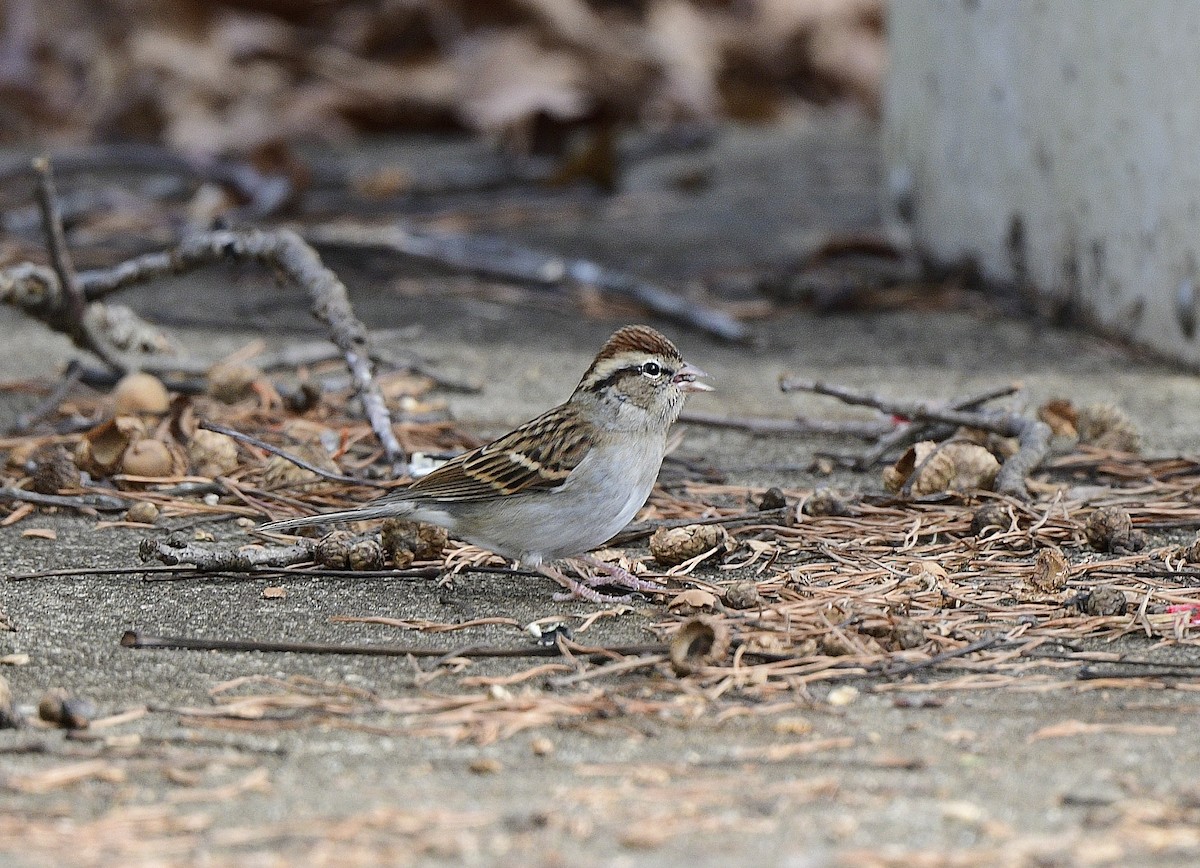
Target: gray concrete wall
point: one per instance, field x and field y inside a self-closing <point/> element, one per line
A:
<point x="1058" y="145"/>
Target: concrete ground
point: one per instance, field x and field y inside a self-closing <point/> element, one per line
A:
<point x="952" y="778"/>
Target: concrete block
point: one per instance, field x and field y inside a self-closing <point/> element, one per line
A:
<point x="1056" y="144"/>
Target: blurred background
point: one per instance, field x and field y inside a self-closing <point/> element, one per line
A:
<point x="253" y="76"/>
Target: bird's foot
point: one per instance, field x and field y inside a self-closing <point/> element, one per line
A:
<point x="616" y="575"/>
<point x="585" y="588"/>
<point x="577" y="590"/>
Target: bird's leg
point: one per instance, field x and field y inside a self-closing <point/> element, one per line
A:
<point x="615" y="575"/>
<point x="577" y="590"/>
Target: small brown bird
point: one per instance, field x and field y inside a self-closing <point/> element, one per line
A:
<point x="566" y="482"/>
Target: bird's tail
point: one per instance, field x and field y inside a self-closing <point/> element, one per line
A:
<point x="366" y="512"/>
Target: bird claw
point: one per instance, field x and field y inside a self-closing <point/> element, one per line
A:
<point x="585" y="588"/>
<point x="615" y="575"/>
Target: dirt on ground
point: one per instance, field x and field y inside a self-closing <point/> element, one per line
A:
<point x="912" y="771"/>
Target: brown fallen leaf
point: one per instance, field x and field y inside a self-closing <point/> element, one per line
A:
<point x="40" y="533"/>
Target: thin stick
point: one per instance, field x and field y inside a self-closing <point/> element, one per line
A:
<point x="98" y="502"/>
<point x="295" y="459"/>
<point x="981" y="645"/>
<point x="495" y="258"/>
<point x="137" y="639"/>
<point x="56" y="242"/>
<point x="49" y="404"/>
<point x="1033" y="435"/>
<point x="282" y="249"/>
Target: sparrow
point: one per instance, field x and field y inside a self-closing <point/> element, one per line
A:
<point x="564" y="483"/>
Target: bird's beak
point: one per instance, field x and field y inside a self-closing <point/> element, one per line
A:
<point x="685" y="379"/>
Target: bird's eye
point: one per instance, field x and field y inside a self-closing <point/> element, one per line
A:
<point x="653" y="370"/>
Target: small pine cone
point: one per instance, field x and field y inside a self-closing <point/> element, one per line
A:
<point x="1103" y="600"/>
<point x="992" y="514"/>
<point x="743" y="595"/>
<point x="54" y="470"/>
<point x="674" y="545"/>
<point x="826" y="501"/>
<point x="333" y="550"/>
<point x="1108" y="427"/>
<point x="212" y="454"/>
<point x="1109" y="529"/>
<point x="408" y="541"/>
<point x="365" y="554"/>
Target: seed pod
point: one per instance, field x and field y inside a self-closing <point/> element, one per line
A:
<point x="772" y="498"/>
<point x="1050" y="572"/>
<point x="699" y="642"/>
<point x="991" y="515"/>
<point x="1108" y="427"/>
<point x="281" y="473"/>
<point x="141" y="393"/>
<point x="825" y="501"/>
<point x="674" y="545"/>
<point x="230" y="383"/>
<point x="932" y="468"/>
<point x="102" y="449"/>
<point x="148" y="457"/>
<point x="143" y="512"/>
<point x="365" y="554"/>
<point x="333" y="550"/>
<point x="212" y="454"/>
<point x="1062" y="417"/>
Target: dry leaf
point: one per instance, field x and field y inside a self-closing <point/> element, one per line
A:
<point x="1062" y="417"/>
<point x="40" y="533"/>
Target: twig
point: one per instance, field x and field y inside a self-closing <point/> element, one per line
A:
<point x="136" y="639"/>
<point x="287" y="252"/>
<point x="70" y="314"/>
<point x="98" y="502"/>
<point x="905" y="435"/>
<point x="282" y="453"/>
<point x="798" y="425"/>
<point x="265" y="194"/>
<point x="617" y="668"/>
<point x="56" y="243"/>
<point x="1033" y="436"/>
<point x="236" y="560"/>
<point x="500" y="259"/>
<point x="47" y="406"/>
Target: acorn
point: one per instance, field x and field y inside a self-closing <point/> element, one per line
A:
<point x="141" y="393"/>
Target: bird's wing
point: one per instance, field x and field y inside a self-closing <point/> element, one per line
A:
<point x="537" y="456"/>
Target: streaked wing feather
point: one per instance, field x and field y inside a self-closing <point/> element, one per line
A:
<point x="537" y="456"/>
